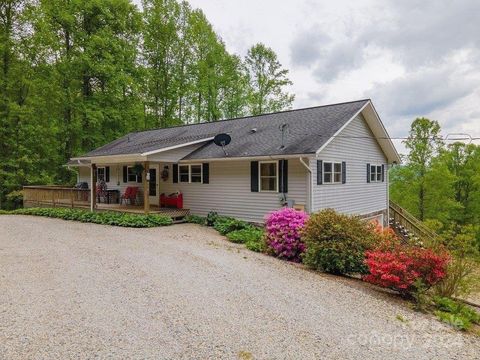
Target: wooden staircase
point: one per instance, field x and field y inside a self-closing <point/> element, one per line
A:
<point x="407" y="226"/>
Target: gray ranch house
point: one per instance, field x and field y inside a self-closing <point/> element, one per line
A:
<point x="332" y="156"/>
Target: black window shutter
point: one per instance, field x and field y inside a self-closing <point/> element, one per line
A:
<point x="125" y="172"/>
<point x="139" y="178"/>
<point x="283" y="174"/>
<point x="206" y="173"/>
<point x="319" y="172"/>
<point x="344" y="172"/>
<point x="383" y="172"/>
<point x="107" y="174"/>
<point x="254" y="176"/>
<point x="175" y="173"/>
<point x="368" y="173"/>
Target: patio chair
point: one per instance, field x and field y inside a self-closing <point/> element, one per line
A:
<point x="130" y="194"/>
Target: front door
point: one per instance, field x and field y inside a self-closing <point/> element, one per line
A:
<point x="153" y="185"/>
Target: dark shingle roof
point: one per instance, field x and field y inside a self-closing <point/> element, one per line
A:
<point x="308" y="129"/>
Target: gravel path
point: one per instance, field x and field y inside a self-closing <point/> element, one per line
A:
<point x="73" y="290"/>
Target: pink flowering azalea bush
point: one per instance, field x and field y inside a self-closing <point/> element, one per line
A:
<point x="283" y="233"/>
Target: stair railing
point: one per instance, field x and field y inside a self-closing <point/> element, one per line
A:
<point x="402" y="218"/>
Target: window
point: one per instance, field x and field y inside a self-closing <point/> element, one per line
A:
<point x="101" y="174"/>
<point x="196" y="173"/>
<point x="268" y="176"/>
<point x="190" y="173"/>
<point x="131" y="175"/>
<point x="375" y="173"/>
<point x="332" y="173"/>
<point x="183" y="173"/>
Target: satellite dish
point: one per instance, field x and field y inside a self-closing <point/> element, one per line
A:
<point x="222" y="140"/>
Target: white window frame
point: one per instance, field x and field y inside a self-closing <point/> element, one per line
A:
<point x="104" y="173"/>
<point x="332" y="173"/>
<point x="378" y="175"/>
<point x="190" y="173"/>
<point x="128" y="175"/>
<point x="260" y="176"/>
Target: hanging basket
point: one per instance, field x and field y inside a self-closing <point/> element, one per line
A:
<point x="138" y="169"/>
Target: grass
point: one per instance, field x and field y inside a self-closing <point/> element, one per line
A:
<point x="456" y="314"/>
<point x="104" y="218"/>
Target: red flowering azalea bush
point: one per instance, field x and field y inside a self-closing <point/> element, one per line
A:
<point x="403" y="268"/>
<point x="283" y="233"/>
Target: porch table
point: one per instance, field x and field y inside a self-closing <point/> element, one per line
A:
<point x="113" y="196"/>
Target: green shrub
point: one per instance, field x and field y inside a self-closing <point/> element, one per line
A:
<point x="105" y="218"/>
<point x="249" y="234"/>
<point x="225" y="225"/>
<point x="212" y="217"/>
<point x="336" y="243"/>
<point x="455" y="313"/>
<point x="14" y="199"/>
<point x="195" y="219"/>
<point x="257" y="245"/>
<point x="462" y="275"/>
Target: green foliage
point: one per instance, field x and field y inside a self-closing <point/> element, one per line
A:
<point x="257" y="245"/>
<point x="463" y="276"/>
<point x="250" y="234"/>
<point x="455" y="313"/>
<point x="212" y="216"/>
<point x="195" y="219"/>
<point x="14" y="199"/>
<point x="78" y="74"/>
<point x="105" y="218"/>
<point x="225" y="225"/>
<point x="336" y="243"/>
<point x="439" y="184"/>
<point x="268" y="79"/>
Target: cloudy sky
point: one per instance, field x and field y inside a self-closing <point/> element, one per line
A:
<point x="411" y="57"/>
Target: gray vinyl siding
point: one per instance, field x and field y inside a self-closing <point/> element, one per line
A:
<point x="228" y="191"/>
<point x="356" y="147"/>
<point x="116" y="179"/>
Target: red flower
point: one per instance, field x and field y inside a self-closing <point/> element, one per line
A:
<point x="402" y="267"/>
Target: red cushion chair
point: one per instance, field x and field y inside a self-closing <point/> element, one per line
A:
<point x="130" y="194"/>
<point x="174" y="200"/>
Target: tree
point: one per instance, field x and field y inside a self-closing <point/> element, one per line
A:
<point x="268" y="80"/>
<point x="76" y="74"/>
<point x="424" y="143"/>
<point x="161" y="54"/>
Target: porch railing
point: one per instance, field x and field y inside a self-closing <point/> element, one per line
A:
<point x="55" y="196"/>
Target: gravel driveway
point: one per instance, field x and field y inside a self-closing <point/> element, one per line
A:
<point x="73" y="290"/>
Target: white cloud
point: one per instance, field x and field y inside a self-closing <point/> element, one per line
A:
<point x="414" y="58"/>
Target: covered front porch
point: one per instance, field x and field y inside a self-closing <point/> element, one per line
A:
<point x="81" y="198"/>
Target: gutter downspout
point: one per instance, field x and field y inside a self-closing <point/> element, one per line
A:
<point x="387" y="178"/>
<point x="309" y="194"/>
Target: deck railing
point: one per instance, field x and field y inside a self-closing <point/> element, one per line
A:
<point x="408" y="224"/>
<point x="55" y="196"/>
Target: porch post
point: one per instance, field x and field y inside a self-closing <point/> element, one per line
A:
<point x="93" y="187"/>
<point x="146" y="198"/>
